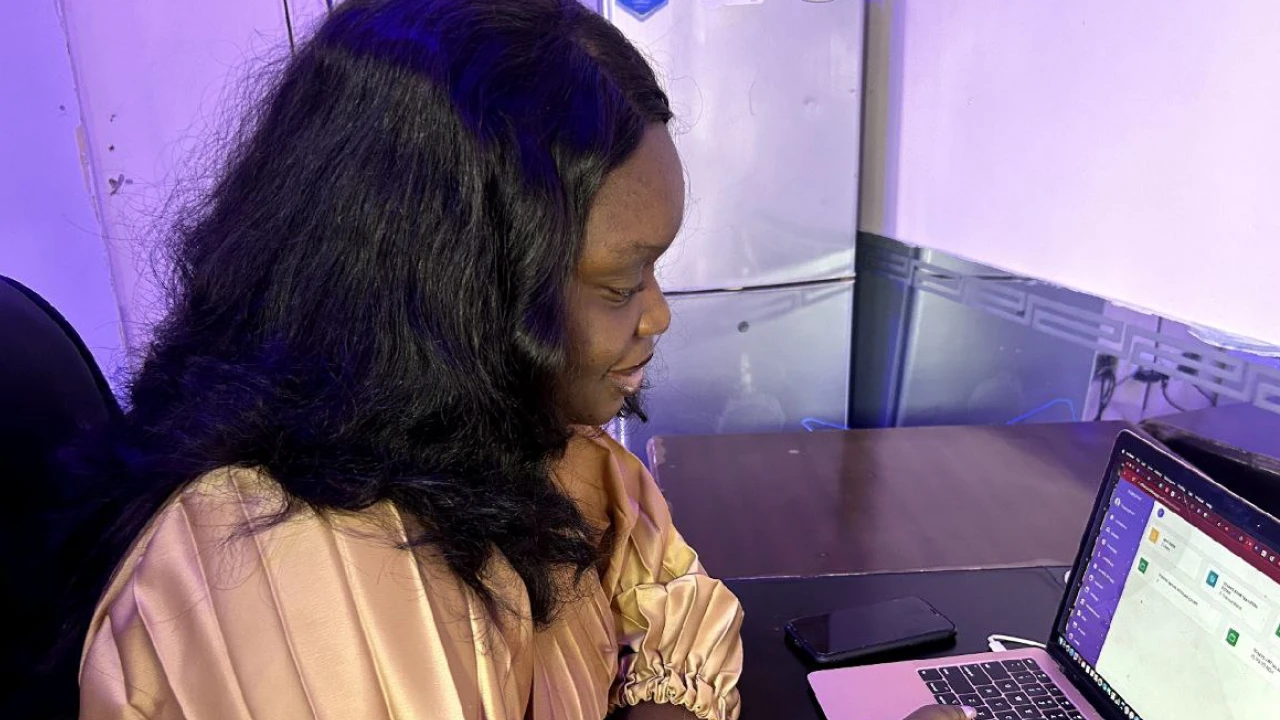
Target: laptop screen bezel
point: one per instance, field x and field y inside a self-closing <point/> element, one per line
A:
<point x="1149" y="451"/>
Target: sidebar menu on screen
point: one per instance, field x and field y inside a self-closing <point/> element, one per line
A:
<point x="1114" y="550"/>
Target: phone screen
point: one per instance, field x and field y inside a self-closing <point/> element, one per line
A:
<point x="865" y="630"/>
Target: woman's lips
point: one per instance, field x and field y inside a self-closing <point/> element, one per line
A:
<point x="628" y="380"/>
<point x="628" y="384"/>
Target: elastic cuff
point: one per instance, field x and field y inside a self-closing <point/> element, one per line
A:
<point x="687" y="690"/>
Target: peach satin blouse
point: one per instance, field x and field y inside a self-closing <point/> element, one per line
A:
<point x="324" y="617"/>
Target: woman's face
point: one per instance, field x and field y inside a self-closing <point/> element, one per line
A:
<point x="616" y="309"/>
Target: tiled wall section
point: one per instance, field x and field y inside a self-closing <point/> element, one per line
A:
<point x="1129" y="343"/>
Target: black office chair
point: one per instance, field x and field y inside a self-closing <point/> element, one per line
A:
<point x="50" y="390"/>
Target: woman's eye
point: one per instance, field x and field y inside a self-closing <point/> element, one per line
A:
<point x="622" y="295"/>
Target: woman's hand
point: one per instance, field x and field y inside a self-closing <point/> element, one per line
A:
<point x="943" y="712"/>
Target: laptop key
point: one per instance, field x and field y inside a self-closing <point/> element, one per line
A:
<point x="939" y="687"/>
<point x="976" y="675"/>
<point x="972" y="701"/>
<point x="1025" y="678"/>
<point x="1008" y="686"/>
<point x="1055" y="714"/>
<point x="1015" y="665"/>
<point x="1046" y="703"/>
<point x="1065" y="704"/>
<point x="1074" y="715"/>
<point x="999" y="704"/>
<point x="1054" y="690"/>
<point x="1018" y="698"/>
<point x="995" y="670"/>
<point x="956" y="679"/>
<point x="985" y="714"/>
<point x="946" y="699"/>
<point x="931" y="675"/>
<point x="1031" y="664"/>
<point x="1035" y="691"/>
<point x="1006" y="715"/>
<point x="1028" y="713"/>
<point x="1042" y="678"/>
<point x="989" y="691"/>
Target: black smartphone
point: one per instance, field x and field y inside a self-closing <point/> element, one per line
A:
<point x="862" y="632"/>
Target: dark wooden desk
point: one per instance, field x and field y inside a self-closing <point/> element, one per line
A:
<point x="884" y="500"/>
<point x="902" y="499"/>
<point x="774" y="685"/>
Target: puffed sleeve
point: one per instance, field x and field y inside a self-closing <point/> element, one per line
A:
<point x="679" y="629"/>
<point x="312" y="618"/>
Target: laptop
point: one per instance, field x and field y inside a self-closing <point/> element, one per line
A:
<point x="1172" y="613"/>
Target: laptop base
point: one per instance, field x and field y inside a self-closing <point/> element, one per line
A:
<point x="895" y="690"/>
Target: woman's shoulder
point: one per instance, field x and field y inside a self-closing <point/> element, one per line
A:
<point x="231" y="579"/>
<point x="599" y="446"/>
<point x="608" y="481"/>
<point x="237" y="526"/>
<point x="236" y="511"/>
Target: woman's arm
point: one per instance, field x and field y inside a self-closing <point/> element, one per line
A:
<point x="678" y="628"/>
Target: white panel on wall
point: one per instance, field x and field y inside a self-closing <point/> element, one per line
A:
<point x="767" y="97"/>
<point x="1129" y="150"/>
<point x="50" y="239"/>
<point x="158" y="80"/>
<point x="758" y="361"/>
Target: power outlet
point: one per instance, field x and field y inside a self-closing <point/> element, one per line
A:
<point x="1187" y="369"/>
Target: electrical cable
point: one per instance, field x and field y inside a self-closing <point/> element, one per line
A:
<point x="997" y="642"/>
<point x="1211" y="397"/>
<point x="1164" y="390"/>
<point x="1107" y="377"/>
<point x="1071" y="408"/>
<point x="809" y="423"/>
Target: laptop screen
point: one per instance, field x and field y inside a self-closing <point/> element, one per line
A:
<point x="1176" y="614"/>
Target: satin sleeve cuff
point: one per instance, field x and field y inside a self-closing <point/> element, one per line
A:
<point x="682" y="646"/>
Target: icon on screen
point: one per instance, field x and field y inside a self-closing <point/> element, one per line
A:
<point x="1142" y="565"/>
<point x="1155" y="535"/>
<point x="1212" y="580"/>
<point x="1233" y="637"/>
<point x="1160" y="512"/>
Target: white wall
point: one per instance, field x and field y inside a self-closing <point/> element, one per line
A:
<point x="159" y="79"/>
<point x="50" y="239"/>
<point x="1126" y="149"/>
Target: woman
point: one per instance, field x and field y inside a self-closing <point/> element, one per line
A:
<point x="360" y="474"/>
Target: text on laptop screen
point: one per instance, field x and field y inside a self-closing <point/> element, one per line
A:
<point x="1178" y="613"/>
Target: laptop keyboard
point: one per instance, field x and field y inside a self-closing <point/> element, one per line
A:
<point x="1001" y="690"/>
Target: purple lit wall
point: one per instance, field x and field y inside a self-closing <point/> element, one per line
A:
<point x="1126" y="149"/>
<point x="50" y="238"/>
<point x="113" y="111"/>
<point x="159" y="81"/>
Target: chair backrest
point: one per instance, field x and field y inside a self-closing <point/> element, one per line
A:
<point x="50" y="390"/>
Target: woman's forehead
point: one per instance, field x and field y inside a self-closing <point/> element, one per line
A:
<point x="640" y="205"/>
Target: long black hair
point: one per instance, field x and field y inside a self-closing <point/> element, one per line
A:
<point x="369" y="304"/>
